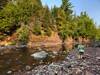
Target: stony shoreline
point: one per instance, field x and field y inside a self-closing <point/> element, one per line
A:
<point x="71" y="65"/>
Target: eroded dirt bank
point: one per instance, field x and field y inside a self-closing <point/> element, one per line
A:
<point x="49" y="43"/>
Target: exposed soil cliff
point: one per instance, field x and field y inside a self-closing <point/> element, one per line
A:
<point x="52" y="42"/>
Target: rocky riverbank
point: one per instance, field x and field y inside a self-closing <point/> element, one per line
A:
<point x="71" y="65"/>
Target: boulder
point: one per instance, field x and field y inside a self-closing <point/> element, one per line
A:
<point x="40" y="55"/>
<point x="9" y="72"/>
<point x="98" y="58"/>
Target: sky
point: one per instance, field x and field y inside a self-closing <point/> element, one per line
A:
<point x="92" y="7"/>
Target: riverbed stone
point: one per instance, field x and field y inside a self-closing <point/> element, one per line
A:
<point x="98" y="58"/>
<point x="39" y="55"/>
<point x="69" y="66"/>
<point x="28" y="67"/>
<point x="9" y="72"/>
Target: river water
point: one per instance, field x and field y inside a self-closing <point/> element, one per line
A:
<point x="20" y="58"/>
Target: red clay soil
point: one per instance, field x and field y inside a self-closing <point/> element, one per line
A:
<point x="52" y="42"/>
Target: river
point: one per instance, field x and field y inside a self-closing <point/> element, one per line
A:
<point x="19" y="59"/>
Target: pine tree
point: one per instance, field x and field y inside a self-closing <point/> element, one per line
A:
<point x="67" y="7"/>
<point x="86" y="26"/>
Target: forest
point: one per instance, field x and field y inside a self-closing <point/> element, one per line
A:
<point x="26" y="17"/>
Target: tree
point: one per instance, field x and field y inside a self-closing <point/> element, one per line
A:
<point x="23" y="35"/>
<point x="62" y="24"/>
<point x="67" y="7"/>
<point x="86" y="26"/>
<point x="47" y="21"/>
<point x="13" y="14"/>
<point x="98" y="34"/>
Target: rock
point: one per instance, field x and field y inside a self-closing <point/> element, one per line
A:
<point x="28" y="67"/>
<point x="1" y="53"/>
<point x="89" y="73"/>
<point x="52" y="56"/>
<point x="9" y="72"/>
<point x="78" y="71"/>
<point x="83" y="64"/>
<point x="39" y="49"/>
<point x="20" y="46"/>
<point x="55" y="52"/>
<point x="28" y="73"/>
<point x="40" y="55"/>
<point x="98" y="58"/>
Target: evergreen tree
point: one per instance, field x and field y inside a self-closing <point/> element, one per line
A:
<point x="86" y="26"/>
<point x="67" y="7"/>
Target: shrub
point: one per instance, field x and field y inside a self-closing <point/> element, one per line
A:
<point x="2" y="37"/>
<point x="23" y="35"/>
<point x="36" y="29"/>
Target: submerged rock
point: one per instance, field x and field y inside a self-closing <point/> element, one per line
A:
<point x="40" y="55"/>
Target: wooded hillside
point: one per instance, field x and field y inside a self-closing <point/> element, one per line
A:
<point x="30" y="16"/>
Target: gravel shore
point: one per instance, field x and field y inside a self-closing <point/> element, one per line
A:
<point x="71" y="65"/>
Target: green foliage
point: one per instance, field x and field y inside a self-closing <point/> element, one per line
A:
<point x="85" y="26"/>
<point x="47" y="25"/>
<point x="3" y="3"/>
<point x="54" y="12"/>
<point x="6" y="19"/>
<point x="61" y="24"/>
<point x="43" y="22"/>
<point x="15" y="12"/>
<point x="48" y="31"/>
<point x="98" y="34"/>
<point x="2" y="37"/>
<point x="67" y="7"/>
<point x="60" y="19"/>
<point x="23" y="35"/>
<point x="13" y="43"/>
<point x="63" y="16"/>
<point x="36" y="29"/>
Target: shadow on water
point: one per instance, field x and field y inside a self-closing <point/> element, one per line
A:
<point x="19" y="58"/>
